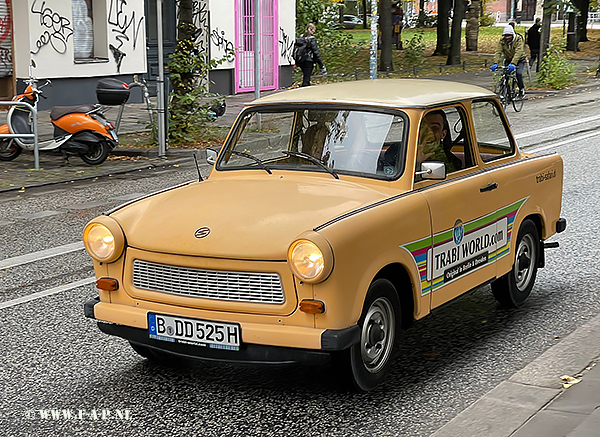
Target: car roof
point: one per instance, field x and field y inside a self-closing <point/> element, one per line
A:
<point x="420" y="93"/>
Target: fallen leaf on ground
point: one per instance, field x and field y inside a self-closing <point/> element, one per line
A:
<point x="569" y="381"/>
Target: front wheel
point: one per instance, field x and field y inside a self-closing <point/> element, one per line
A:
<point x="501" y="90"/>
<point x="367" y="362"/>
<point x="517" y="100"/>
<point x="9" y="150"/>
<point x="512" y="289"/>
<point x="97" y="153"/>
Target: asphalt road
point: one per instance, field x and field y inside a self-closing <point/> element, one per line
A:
<point x="54" y="358"/>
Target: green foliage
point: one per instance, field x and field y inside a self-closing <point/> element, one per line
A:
<point x="487" y="19"/>
<point x="413" y="51"/>
<point x="335" y="45"/>
<point x="556" y="71"/>
<point x="190" y="98"/>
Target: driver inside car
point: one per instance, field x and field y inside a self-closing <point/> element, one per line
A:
<point x="435" y="143"/>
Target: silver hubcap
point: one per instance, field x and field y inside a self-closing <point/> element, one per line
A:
<point x="377" y="337"/>
<point x="526" y="255"/>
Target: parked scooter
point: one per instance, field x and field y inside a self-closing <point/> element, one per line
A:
<point x="78" y="130"/>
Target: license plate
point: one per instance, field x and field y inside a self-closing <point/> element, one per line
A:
<point x="113" y="134"/>
<point x="205" y="333"/>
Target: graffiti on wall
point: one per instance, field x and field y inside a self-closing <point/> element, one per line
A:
<point x="286" y="45"/>
<point x="200" y="14"/>
<point x="57" y="29"/>
<point x="124" y="27"/>
<point x="221" y="43"/>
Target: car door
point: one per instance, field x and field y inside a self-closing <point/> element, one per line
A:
<point x="463" y="226"/>
<point x="510" y="175"/>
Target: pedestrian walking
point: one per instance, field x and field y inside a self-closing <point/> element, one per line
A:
<point x="306" y="54"/>
<point x="533" y="41"/>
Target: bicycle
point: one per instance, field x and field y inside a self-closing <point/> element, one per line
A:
<point x="506" y="88"/>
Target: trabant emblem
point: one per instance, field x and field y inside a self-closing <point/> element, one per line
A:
<point x="459" y="232"/>
<point x="202" y="232"/>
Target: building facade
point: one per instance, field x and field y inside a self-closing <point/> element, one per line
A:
<point x="74" y="43"/>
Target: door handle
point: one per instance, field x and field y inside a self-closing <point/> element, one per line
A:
<point x="489" y="187"/>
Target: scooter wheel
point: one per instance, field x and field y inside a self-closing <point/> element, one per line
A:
<point x="97" y="153"/>
<point x="9" y="150"/>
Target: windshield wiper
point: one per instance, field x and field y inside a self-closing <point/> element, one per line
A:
<point x="311" y="159"/>
<point x="253" y="158"/>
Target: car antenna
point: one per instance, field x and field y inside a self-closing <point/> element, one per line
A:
<point x="197" y="166"/>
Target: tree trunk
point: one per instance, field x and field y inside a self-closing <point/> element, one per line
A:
<point x="583" y="6"/>
<point x="443" y="38"/>
<point x="549" y="9"/>
<point x="455" y="37"/>
<point x="385" y="21"/>
<point x="185" y="44"/>
<point x="472" y="30"/>
<point x="421" y="13"/>
<point x="365" y="26"/>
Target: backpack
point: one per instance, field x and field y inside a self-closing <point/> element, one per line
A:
<point x="300" y="52"/>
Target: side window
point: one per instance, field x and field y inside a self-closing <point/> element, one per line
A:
<point x="493" y="140"/>
<point x="443" y="138"/>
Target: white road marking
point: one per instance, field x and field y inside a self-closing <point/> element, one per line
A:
<point x="42" y="254"/>
<point x="557" y="127"/>
<point x="39" y="294"/>
<point x="562" y="143"/>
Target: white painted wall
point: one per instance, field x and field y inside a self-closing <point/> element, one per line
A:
<point x="287" y="31"/>
<point x="222" y="30"/>
<point x="44" y="33"/>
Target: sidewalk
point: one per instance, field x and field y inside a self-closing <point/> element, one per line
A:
<point x="534" y="403"/>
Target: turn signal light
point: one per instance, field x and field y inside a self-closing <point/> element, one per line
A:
<point x="309" y="306"/>
<point x="107" y="284"/>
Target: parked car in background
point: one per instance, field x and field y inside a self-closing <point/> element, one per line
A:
<point x="351" y="21"/>
<point x="334" y="217"/>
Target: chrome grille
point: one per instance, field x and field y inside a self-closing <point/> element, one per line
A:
<point x="208" y="284"/>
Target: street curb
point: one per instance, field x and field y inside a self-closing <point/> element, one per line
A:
<point x="146" y="166"/>
<point x="508" y="406"/>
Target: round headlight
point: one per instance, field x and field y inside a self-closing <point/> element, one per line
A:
<point x="104" y="241"/>
<point x="306" y="259"/>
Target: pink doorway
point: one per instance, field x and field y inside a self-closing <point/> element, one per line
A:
<point x="244" y="41"/>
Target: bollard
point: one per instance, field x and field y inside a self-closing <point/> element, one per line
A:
<point x="387" y="71"/>
<point x="415" y="70"/>
<point x="464" y="65"/>
<point x="356" y="74"/>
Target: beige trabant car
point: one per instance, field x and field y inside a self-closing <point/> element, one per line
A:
<point x="332" y="218"/>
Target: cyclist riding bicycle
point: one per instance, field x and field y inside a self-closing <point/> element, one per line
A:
<point x="511" y="47"/>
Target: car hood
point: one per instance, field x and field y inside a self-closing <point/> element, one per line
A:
<point x="249" y="218"/>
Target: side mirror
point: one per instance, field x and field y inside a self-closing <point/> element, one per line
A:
<point x="211" y="156"/>
<point x="432" y="171"/>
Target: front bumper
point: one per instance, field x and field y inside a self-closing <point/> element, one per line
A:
<point x="331" y="340"/>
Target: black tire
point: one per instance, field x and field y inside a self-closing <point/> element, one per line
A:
<point x="501" y="90"/>
<point x="98" y="153"/>
<point x="512" y="289"/>
<point x="367" y="362"/>
<point x="9" y="150"/>
<point x="517" y="100"/>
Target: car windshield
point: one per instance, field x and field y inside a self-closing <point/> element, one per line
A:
<point x="323" y="140"/>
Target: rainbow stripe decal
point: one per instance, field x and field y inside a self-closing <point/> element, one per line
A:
<point x="464" y="248"/>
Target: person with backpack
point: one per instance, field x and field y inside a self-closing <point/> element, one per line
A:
<point x="306" y="54"/>
<point x="533" y="41"/>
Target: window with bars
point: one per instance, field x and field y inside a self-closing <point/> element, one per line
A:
<point x="83" y="29"/>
